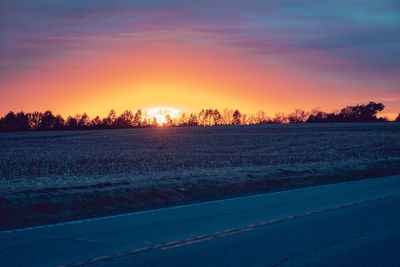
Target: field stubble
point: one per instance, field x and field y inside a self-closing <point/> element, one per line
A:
<point x="47" y="177"/>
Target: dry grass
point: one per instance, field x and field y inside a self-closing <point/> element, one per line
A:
<point x="54" y="173"/>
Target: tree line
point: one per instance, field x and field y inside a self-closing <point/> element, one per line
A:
<point x="21" y="121"/>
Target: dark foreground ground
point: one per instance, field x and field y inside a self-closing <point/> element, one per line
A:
<point x="48" y="177"/>
<point x="346" y="224"/>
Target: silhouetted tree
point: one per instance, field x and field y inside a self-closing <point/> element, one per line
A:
<point x="252" y="119"/>
<point x="22" y="121"/>
<point x="72" y="123"/>
<point x="59" y="123"/>
<point x="145" y="122"/>
<point x="236" y="116"/>
<point x="48" y="120"/>
<point x="109" y="121"/>
<point x="210" y="117"/>
<point x="202" y="117"/>
<point x="358" y="113"/>
<point x="244" y="119"/>
<point x="154" y="122"/>
<point x="125" y="120"/>
<point x="193" y="120"/>
<point x="227" y="115"/>
<point x="398" y="118"/>
<point x="83" y="121"/>
<point x="183" y="119"/>
<point x="217" y="117"/>
<point x="361" y="113"/>
<point x="261" y="118"/>
<point x="298" y="116"/>
<point x="97" y="123"/>
<point x="137" y="120"/>
<point x="15" y="122"/>
<point x="317" y="118"/>
<point x="35" y="119"/>
<point x="169" y="122"/>
<point x="280" y="118"/>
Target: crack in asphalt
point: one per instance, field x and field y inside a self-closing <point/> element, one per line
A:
<point x="311" y="252"/>
<point x="232" y="231"/>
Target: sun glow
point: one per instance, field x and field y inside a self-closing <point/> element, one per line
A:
<point x="162" y="114"/>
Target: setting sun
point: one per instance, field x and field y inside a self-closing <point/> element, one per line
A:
<point x="162" y="114"/>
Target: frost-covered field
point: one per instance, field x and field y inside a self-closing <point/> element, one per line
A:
<point x="52" y="176"/>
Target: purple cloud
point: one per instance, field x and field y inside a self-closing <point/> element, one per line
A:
<point x="355" y="37"/>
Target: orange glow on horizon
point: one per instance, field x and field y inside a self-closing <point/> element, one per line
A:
<point x="186" y="77"/>
<point x="161" y="114"/>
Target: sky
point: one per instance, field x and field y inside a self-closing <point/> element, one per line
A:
<point x="73" y="56"/>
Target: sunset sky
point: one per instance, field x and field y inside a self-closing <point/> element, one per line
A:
<point x="90" y="56"/>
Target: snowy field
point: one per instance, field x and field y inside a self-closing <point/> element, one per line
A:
<point x="47" y="177"/>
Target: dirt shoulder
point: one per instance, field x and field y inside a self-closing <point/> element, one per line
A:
<point x="38" y="205"/>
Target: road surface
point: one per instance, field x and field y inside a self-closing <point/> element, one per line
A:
<point x="348" y="224"/>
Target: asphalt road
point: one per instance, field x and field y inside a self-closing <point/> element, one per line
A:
<point x="347" y="224"/>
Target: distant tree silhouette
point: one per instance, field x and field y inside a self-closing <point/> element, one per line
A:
<point x="109" y="121"/>
<point x="358" y="113"/>
<point x="398" y="118"/>
<point x="227" y="115"/>
<point x="193" y="120"/>
<point x="208" y="117"/>
<point x="280" y="118"/>
<point x="137" y="120"/>
<point x="59" y="123"/>
<point x="261" y="118"/>
<point x="145" y="122"/>
<point x="47" y="121"/>
<point x="72" y="123"/>
<point x="253" y="120"/>
<point x="217" y="117"/>
<point x="202" y="117"/>
<point x="183" y="119"/>
<point x="22" y="121"/>
<point x="366" y="113"/>
<point x="236" y="116"/>
<point x="125" y="120"/>
<point x="319" y="117"/>
<point x="15" y="122"/>
<point x="298" y="116"/>
<point x="35" y="119"/>
<point x="83" y="120"/>
<point x="244" y="119"/>
<point x="168" y="121"/>
<point x="154" y="122"/>
<point x="97" y="123"/>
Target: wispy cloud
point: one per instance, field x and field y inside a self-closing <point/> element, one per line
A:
<point x="356" y="37"/>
